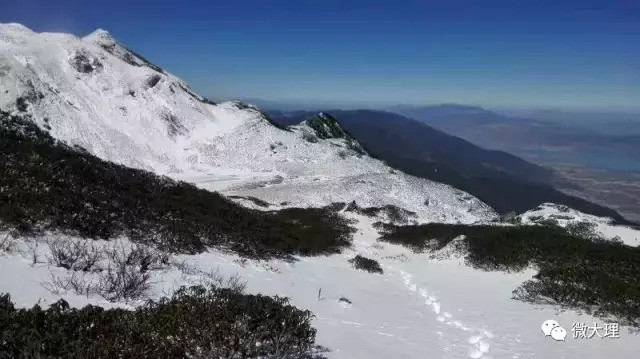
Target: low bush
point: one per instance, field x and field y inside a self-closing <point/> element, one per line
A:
<point x="76" y="282"/>
<point x="74" y="255"/>
<point x="577" y="269"/>
<point x="390" y="212"/>
<point x="195" y="322"/>
<point x="7" y="243"/>
<point x="369" y="265"/>
<point x="139" y="256"/>
<point x="119" y="269"/>
<point x="123" y="283"/>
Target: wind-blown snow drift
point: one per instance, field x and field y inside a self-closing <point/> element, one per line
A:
<point x="97" y="94"/>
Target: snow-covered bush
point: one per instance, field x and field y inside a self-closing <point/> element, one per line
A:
<point x="213" y="277"/>
<point x="119" y="269"/>
<point x="75" y="282"/>
<point x="123" y="282"/>
<point x="77" y="255"/>
<point x="7" y="243"/>
<point x="127" y="274"/>
<point x="139" y="256"/>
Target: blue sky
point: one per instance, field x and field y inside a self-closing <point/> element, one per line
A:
<point x="578" y="54"/>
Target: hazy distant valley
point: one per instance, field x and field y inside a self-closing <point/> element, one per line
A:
<point x="599" y="152"/>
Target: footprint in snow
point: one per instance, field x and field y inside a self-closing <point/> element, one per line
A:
<point x="386" y="334"/>
<point x="479" y="346"/>
<point x="351" y="323"/>
<point x="479" y="343"/>
<point x="436" y="307"/>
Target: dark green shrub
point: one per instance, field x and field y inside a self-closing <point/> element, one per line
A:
<point x="22" y="104"/>
<point x="369" y="265"/>
<point x="583" y="230"/>
<point x="195" y="322"/>
<point x="47" y="185"/>
<point x="391" y="212"/>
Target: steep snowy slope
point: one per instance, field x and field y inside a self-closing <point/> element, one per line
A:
<point x="97" y="94"/>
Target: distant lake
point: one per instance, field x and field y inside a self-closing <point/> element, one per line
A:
<point x="593" y="158"/>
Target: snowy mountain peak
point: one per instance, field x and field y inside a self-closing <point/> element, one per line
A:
<point x="98" y="94"/>
<point x="14" y="28"/>
<point x="107" y="42"/>
<point x="100" y="36"/>
<point x="325" y="126"/>
<point x="13" y="33"/>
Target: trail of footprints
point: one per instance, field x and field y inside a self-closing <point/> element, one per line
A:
<point x="478" y="340"/>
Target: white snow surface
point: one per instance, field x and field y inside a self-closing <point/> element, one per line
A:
<point x="423" y="306"/>
<point x="113" y="111"/>
<point x="565" y="215"/>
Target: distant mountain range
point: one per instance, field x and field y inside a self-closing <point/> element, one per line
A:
<point x="547" y="137"/>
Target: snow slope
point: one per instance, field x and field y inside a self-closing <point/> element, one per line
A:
<point x="97" y="94"/>
<point x="421" y="307"/>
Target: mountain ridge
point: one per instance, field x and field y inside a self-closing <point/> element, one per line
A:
<point x="95" y="93"/>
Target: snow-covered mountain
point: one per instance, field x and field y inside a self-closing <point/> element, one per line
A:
<point x="95" y="93"/>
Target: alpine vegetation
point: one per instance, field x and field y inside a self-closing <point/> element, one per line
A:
<point x="196" y="322"/>
<point x="48" y="185"/>
<point x="366" y="264"/>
